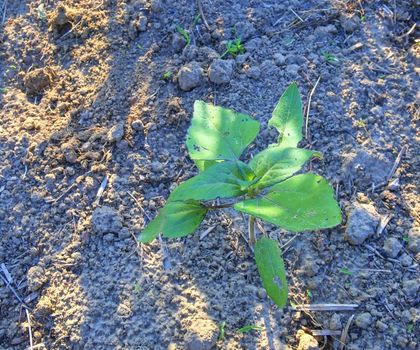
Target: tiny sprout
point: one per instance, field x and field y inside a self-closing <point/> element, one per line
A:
<point x="185" y="35"/>
<point x="249" y="328"/>
<point x="167" y="75"/>
<point x="330" y="58"/>
<point x="222" y="330"/>
<point x="234" y="48"/>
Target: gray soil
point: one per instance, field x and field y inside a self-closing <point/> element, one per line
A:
<point x="84" y="103"/>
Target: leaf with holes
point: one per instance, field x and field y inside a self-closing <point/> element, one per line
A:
<point x="222" y="180"/>
<point x="218" y="133"/>
<point x="287" y="117"/>
<point x="277" y="163"/>
<point x="302" y="202"/>
<point x="271" y="269"/>
<point x="175" y="219"/>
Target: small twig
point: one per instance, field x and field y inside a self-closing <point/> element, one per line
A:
<point x="14" y="292"/>
<point x="4" y="12"/>
<point x="324" y="332"/>
<point x="6" y="273"/>
<point x="165" y="255"/>
<point x="251" y="230"/>
<point x="396" y="163"/>
<point x="31" y="343"/>
<point x="139" y="205"/>
<point x="200" y="9"/>
<point x="101" y="189"/>
<point x="325" y="307"/>
<point x="206" y="232"/>
<point x="345" y="332"/>
<point x="308" y="107"/>
<point x="300" y="18"/>
<point x="382" y="224"/>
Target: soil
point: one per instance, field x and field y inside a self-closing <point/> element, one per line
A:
<point x="90" y="96"/>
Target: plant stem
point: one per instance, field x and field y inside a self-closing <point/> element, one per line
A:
<point x="219" y="206"/>
<point x="251" y="230"/>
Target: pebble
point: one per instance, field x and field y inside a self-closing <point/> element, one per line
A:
<point x="410" y="287"/>
<point x="392" y="247"/>
<point x="244" y="30"/>
<point x="361" y="223"/>
<point x="137" y="125"/>
<point x="279" y="59"/>
<point x="106" y="220"/>
<point x="363" y="320"/>
<point x="190" y="76"/>
<point x="203" y="335"/>
<point x="261" y="293"/>
<point x="414" y="240"/>
<point x="220" y="71"/>
<point x="116" y="133"/>
<point x="292" y="69"/>
<point x="349" y="23"/>
<point x="254" y="72"/>
<point x="381" y="326"/>
<point x="36" y="278"/>
<point x="306" y="341"/>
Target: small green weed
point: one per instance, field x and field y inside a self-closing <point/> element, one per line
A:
<point x="330" y="58"/>
<point x="234" y="48"/>
<point x="249" y="328"/>
<point x="222" y="330"/>
<point x="185" y="35"/>
<point x="346" y="271"/>
<point x="167" y="75"/>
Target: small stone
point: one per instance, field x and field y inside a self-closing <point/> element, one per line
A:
<point x="157" y="167"/>
<point x="363" y="320"/>
<point x="116" y="133"/>
<point x="38" y="80"/>
<point x="406" y="260"/>
<point x="220" y="71"/>
<point x="254" y="72"/>
<point x="292" y="69"/>
<point x="137" y="125"/>
<point x="261" y="293"/>
<point x="36" y="278"/>
<point x="414" y="239"/>
<point x="203" y="335"/>
<point x="124" y="233"/>
<point x="335" y="322"/>
<point x="392" y="247"/>
<point x="109" y="237"/>
<point x="349" y="23"/>
<point x="326" y="30"/>
<point x="142" y="23"/>
<point x="361" y="223"/>
<point x="279" y="59"/>
<point x="381" y="326"/>
<point x="178" y="42"/>
<point x="190" y="76"/>
<point x="410" y="288"/>
<point x="244" y="30"/>
<point x="306" y="341"/>
<point x="106" y="220"/>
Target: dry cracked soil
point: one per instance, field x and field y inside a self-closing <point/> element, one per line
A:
<point x="96" y="97"/>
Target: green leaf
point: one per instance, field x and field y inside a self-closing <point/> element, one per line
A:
<point x="248" y="328"/>
<point x="175" y="219"/>
<point x="217" y="133"/>
<point x="287" y="117"/>
<point x="222" y="180"/>
<point x="204" y="164"/>
<point x="302" y="202"/>
<point x="277" y="163"/>
<point x="271" y="269"/>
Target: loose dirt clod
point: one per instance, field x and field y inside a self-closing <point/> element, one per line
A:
<point x="362" y="222"/>
<point x="38" y="80"/>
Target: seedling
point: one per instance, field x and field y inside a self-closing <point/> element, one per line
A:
<point x="266" y="188"/>
<point x="222" y="331"/>
<point x="167" y="75"/>
<point x="185" y="35"/>
<point x="249" y="328"/>
<point x="330" y="58"/>
<point x="234" y="48"/>
<point x="346" y="271"/>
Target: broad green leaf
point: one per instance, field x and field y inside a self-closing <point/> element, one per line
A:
<point x="277" y="163"/>
<point x="222" y="180"/>
<point x="204" y="164"/>
<point x="287" y="117"/>
<point x="271" y="269"/>
<point x="302" y="202"/>
<point x="217" y="133"/>
<point x="175" y="219"/>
